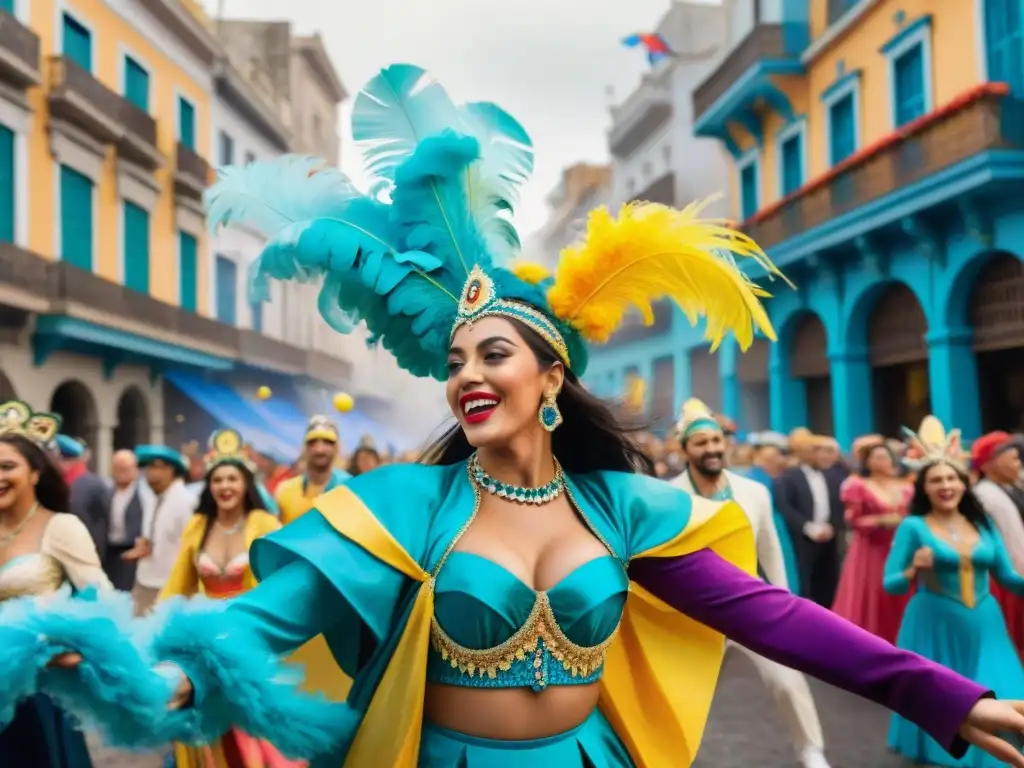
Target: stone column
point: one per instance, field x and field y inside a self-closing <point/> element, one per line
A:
<point x="787" y="397"/>
<point x="853" y="408"/>
<point x="953" y="378"/>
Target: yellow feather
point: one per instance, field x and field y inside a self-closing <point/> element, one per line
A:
<point x="931" y="433"/>
<point x="695" y="407"/>
<point x="530" y="272"/>
<point x="652" y="252"/>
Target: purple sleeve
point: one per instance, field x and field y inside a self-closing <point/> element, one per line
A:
<point x="799" y="634"/>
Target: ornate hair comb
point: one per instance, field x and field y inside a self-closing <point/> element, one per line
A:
<point x="18" y="418"/>
<point x="226" y="447"/>
<point x="932" y="445"/>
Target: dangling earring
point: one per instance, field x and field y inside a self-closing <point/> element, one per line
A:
<point x="549" y="415"/>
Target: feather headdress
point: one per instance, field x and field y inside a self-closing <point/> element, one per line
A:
<point x="226" y="447"/>
<point x="931" y="444"/>
<point x="696" y="416"/>
<point x="432" y="247"/>
<point x="18" y="418"/>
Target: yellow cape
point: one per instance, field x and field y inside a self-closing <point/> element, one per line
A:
<point x="660" y="673"/>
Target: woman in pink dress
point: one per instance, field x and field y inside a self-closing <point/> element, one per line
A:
<point x="876" y="501"/>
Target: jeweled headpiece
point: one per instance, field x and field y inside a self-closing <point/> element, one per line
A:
<point x="18" y="418"/>
<point x="696" y="417"/>
<point x="433" y="248"/>
<point x="932" y="445"/>
<point x="321" y="428"/>
<point x="226" y="447"/>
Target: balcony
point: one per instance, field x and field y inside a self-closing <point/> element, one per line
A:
<point x="83" y="101"/>
<point x="19" y="53"/>
<point x="979" y="122"/>
<point x="138" y="138"/>
<point x="743" y="80"/>
<point x="191" y="174"/>
<point x="259" y="351"/>
<point x="646" y="110"/>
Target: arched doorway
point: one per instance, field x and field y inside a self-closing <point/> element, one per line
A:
<point x="663" y="393"/>
<point x="752" y="374"/>
<point x="808" y="364"/>
<point x="898" y="354"/>
<point x="997" y="317"/>
<point x="6" y="389"/>
<point x="75" y="404"/>
<point x="132" y="420"/>
<point x="705" y="379"/>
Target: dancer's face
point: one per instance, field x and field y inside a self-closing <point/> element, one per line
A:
<point x="944" y="488"/>
<point x="16" y="476"/>
<point x="495" y="382"/>
<point x="227" y="484"/>
<point x="879" y="462"/>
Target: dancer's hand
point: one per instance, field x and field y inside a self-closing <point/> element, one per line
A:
<point x="66" y="660"/>
<point x="990" y="717"/>
<point x="924" y="558"/>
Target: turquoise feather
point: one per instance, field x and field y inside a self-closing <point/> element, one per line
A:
<point x="394" y="112"/>
<point x="268" y="197"/>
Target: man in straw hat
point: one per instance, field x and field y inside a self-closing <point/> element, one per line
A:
<point x="703" y="443"/>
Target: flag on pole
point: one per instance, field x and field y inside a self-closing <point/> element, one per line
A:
<point x="655" y="45"/>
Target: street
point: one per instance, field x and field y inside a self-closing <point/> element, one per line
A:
<point x="744" y="729"/>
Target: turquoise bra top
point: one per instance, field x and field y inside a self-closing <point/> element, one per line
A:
<point x="490" y="630"/>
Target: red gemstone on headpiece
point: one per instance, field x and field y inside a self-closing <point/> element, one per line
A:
<point x="473" y="293"/>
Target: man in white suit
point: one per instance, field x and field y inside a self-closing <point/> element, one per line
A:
<point x="705" y="475"/>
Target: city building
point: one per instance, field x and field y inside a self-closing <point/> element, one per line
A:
<point x="655" y="156"/>
<point x="877" y="150"/>
<point x="583" y="187"/>
<point x="106" y="275"/>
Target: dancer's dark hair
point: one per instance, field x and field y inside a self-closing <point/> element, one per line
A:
<point x="591" y="437"/>
<point x="51" y="490"/>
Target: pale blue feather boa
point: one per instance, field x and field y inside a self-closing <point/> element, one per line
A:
<point x="120" y="691"/>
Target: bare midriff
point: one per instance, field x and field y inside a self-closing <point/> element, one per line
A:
<point x="510" y="714"/>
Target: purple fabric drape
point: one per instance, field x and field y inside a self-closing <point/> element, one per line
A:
<point x="799" y="634"/>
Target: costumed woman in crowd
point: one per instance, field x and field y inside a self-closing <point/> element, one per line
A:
<point x="876" y="502"/>
<point x="524" y="596"/>
<point x="214" y="561"/>
<point x="42" y="548"/>
<point x="703" y="442"/>
<point x="949" y="549"/>
<point x="996" y="457"/>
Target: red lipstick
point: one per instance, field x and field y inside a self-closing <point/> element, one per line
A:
<point x="477" y="407"/>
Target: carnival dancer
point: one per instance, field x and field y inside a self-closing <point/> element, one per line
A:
<point x="769" y="462"/>
<point x="948" y="548"/>
<point x="163" y="524"/>
<point x="213" y="560"/>
<point x="996" y="456"/>
<point x="704" y="444"/>
<point x="876" y="502"/>
<point x="42" y="548"/>
<point x="295" y="496"/>
<point x="481" y="599"/>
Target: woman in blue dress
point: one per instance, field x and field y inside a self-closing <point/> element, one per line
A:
<point x="949" y="549"/>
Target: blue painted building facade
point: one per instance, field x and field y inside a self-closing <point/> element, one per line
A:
<point x="907" y="252"/>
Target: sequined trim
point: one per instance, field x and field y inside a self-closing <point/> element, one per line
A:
<point x="539" y="634"/>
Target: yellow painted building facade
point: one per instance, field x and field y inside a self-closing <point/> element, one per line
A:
<point x="115" y="35"/>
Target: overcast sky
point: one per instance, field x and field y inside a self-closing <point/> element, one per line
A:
<point x="548" y="62"/>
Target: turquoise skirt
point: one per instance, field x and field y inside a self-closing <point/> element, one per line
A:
<point x="592" y="744"/>
<point x="973" y="642"/>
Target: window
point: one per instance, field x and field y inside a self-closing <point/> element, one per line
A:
<point x="8" y="194"/>
<point x="908" y="86"/>
<point x="227" y="290"/>
<point x="1004" y="43"/>
<point x="188" y="271"/>
<point x="249" y="158"/>
<point x="791" y="161"/>
<point x="76" y="218"/>
<point x="136" y="247"/>
<point x="136" y="84"/>
<point x="748" y="186"/>
<point x="256" y="309"/>
<point x="77" y="43"/>
<point x="842" y="135"/>
<point x="227" y="149"/>
<point x="186" y="123"/>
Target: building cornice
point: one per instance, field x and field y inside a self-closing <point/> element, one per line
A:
<point x="312" y="48"/>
